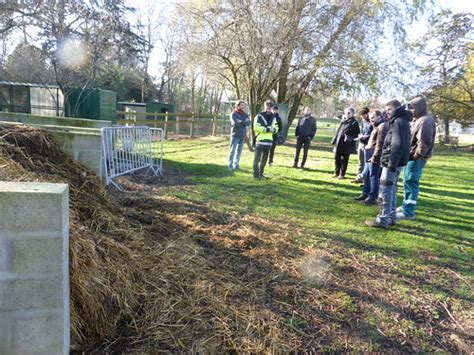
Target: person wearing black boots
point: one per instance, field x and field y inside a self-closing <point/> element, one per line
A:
<point x="275" y="135"/>
<point x="305" y="132"/>
<point x="344" y="142"/>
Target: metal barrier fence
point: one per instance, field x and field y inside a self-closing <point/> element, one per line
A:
<point x="128" y="149"/>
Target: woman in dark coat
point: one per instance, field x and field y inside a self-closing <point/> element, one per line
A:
<point x="344" y="142"/>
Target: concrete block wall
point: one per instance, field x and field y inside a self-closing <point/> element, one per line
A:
<point x="83" y="147"/>
<point x="34" y="268"/>
<point x="52" y="120"/>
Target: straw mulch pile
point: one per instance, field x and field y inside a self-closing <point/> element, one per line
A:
<point x="156" y="273"/>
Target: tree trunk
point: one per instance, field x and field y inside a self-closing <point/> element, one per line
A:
<point x="446" y="130"/>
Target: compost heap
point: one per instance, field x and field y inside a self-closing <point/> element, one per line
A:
<point x="138" y="279"/>
<point x="156" y="273"/>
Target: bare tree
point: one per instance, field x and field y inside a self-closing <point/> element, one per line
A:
<point x="285" y="49"/>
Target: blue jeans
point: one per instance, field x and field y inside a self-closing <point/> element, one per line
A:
<point x="236" y="145"/>
<point x="411" y="185"/>
<point x="388" y="192"/>
<point x="366" y="177"/>
<point x="371" y="176"/>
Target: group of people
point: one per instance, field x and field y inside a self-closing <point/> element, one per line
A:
<point x="267" y="126"/>
<point x="404" y="142"/>
<point x="399" y="138"/>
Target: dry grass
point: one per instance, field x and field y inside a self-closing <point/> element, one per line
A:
<point x="156" y="273"/>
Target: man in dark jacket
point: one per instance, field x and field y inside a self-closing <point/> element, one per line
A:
<point x="239" y="120"/>
<point x="395" y="153"/>
<point x="423" y="135"/>
<point x="275" y="135"/>
<point x="344" y="142"/>
<point x="305" y="132"/>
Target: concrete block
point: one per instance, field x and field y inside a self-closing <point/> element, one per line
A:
<point x="38" y="335"/>
<point x="34" y="268"/>
<point x="36" y="256"/>
<point x="33" y="206"/>
<point x="26" y="294"/>
<point x="5" y="255"/>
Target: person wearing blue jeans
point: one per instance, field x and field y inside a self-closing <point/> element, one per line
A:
<point x="388" y="192"/>
<point x="371" y="175"/>
<point x="239" y="122"/>
<point x="236" y="146"/>
<point x="373" y="151"/>
<point x="395" y="154"/>
<point x="411" y="188"/>
<point x="423" y="134"/>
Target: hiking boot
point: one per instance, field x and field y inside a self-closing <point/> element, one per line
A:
<point x="375" y="224"/>
<point x="369" y="202"/>
<point x="401" y="216"/>
<point x="360" y="198"/>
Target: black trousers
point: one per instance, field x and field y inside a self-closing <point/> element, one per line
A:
<point x="342" y="160"/>
<point x="302" y="142"/>
<point x="259" y="161"/>
<point x="272" y="151"/>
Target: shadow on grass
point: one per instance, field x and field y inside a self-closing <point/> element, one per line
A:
<point x="287" y="295"/>
<point x="461" y="266"/>
<point x="253" y="195"/>
<point x="435" y="190"/>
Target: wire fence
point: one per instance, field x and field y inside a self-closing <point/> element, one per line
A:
<point x="180" y="124"/>
<point x="199" y="125"/>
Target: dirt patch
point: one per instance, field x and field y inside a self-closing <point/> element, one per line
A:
<point x="155" y="272"/>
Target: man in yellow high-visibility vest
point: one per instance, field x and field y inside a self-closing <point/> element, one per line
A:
<point x="265" y="126"/>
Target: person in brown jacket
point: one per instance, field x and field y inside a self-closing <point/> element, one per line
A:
<point x="423" y="134"/>
<point x="373" y="151"/>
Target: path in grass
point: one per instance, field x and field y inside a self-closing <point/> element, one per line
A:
<point x="435" y="252"/>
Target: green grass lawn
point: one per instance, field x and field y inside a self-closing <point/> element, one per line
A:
<point x="430" y="258"/>
<point x="442" y="233"/>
